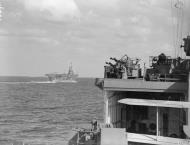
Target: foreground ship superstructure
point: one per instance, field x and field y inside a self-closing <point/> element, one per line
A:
<point x="153" y="108"/>
<point x="65" y="77"/>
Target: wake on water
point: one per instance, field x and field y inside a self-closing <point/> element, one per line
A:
<point x="32" y="82"/>
<point x="38" y="82"/>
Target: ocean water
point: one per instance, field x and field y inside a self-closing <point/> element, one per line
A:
<point x="37" y="113"/>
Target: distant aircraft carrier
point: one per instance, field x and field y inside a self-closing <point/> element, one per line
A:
<point x="69" y="77"/>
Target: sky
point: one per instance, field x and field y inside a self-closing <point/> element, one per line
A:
<point x="45" y="36"/>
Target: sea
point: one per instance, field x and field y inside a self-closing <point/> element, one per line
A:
<point x="34" y="111"/>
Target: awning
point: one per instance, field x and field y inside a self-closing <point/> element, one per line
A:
<point x="155" y="103"/>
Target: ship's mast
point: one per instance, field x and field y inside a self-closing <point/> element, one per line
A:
<point x="177" y="9"/>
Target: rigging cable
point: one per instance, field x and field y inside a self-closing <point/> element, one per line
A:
<point x="188" y="25"/>
<point x="181" y="26"/>
<point x="173" y="28"/>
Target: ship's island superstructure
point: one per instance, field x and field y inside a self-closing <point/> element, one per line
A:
<point x="65" y="77"/>
<point x="148" y="109"/>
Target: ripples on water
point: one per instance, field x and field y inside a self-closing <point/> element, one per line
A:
<point x="45" y="113"/>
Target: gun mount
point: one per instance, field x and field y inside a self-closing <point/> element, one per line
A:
<point x="123" y="68"/>
<point x="164" y="68"/>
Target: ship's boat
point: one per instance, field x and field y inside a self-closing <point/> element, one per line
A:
<point x="65" y="77"/>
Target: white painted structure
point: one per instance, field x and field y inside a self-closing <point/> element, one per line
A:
<point x="162" y="105"/>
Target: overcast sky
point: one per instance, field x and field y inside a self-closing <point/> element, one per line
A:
<point x="43" y="36"/>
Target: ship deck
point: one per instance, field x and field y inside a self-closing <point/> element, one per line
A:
<point x="139" y="85"/>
